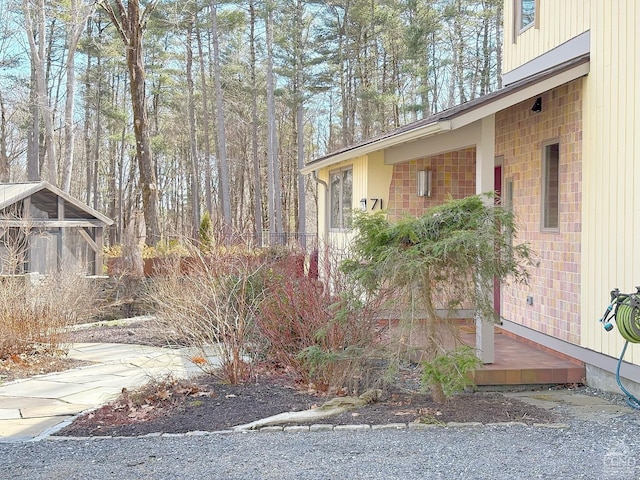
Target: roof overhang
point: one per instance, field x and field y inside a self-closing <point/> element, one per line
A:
<point x="378" y="143"/>
<point x="461" y="115"/>
<point x="13" y="193"/>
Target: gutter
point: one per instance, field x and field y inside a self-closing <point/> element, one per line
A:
<point x="326" y="210"/>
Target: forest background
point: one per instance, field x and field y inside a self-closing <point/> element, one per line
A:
<point x="165" y="111"/>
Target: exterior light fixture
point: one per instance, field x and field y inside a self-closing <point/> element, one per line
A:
<point x="363" y="204"/>
<point x="537" y="106"/>
<point x="424" y="183"/>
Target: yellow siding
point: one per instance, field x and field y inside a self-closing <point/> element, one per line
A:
<point x="378" y="180"/>
<point x="558" y="21"/>
<point x="339" y="239"/>
<point x="611" y="175"/>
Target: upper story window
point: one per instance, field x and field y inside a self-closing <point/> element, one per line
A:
<point x="341" y="195"/>
<point x="526" y="11"/>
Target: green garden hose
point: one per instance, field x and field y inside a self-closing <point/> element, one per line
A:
<point x="628" y="321"/>
<point x="632" y="401"/>
<point x="627" y="316"/>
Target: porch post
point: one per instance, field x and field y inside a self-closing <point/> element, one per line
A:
<point x="60" y="236"/>
<point x="485" y="153"/>
<point x="98" y="257"/>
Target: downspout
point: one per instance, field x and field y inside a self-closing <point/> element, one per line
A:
<point x="314" y="174"/>
<point x="323" y="271"/>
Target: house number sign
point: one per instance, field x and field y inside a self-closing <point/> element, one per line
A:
<point x="376" y="203"/>
<point x="371" y="203"/>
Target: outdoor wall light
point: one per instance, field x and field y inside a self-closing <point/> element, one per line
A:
<point x="537" y="106"/>
<point x="424" y="183"/>
<point x="363" y="204"/>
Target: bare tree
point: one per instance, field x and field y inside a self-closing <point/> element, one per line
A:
<point x="275" y="205"/>
<point x="4" y="155"/>
<point x="257" y="190"/>
<point x="225" y="195"/>
<point x="130" y="24"/>
<point x="34" y="23"/>
<point x="78" y="15"/>
<point x="302" y="217"/>
<point x="205" y="122"/>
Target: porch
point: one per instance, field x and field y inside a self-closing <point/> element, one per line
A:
<point x="519" y="361"/>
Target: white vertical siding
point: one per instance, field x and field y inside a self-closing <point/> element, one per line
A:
<point x="611" y="174"/>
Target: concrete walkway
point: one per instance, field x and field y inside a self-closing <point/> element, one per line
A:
<point x="33" y="408"/>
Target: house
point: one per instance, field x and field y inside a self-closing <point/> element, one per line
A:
<point x="560" y="143"/>
<point x="43" y="229"/>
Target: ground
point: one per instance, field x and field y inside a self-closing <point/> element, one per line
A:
<point x="25" y="366"/>
<point x="211" y="406"/>
<point x="205" y="404"/>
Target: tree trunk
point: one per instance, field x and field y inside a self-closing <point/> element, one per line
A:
<point x="205" y="125"/>
<point x="130" y="23"/>
<point x="225" y="194"/>
<point x="302" y="218"/>
<point x="80" y="14"/>
<point x="38" y="52"/>
<point x="195" y="169"/>
<point x="432" y="341"/>
<point x="257" y="188"/>
<point x="4" y="156"/>
<point x="275" y="203"/>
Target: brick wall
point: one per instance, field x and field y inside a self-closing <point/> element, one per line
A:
<point x="520" y="138"/>
<point x="453" y="175"/>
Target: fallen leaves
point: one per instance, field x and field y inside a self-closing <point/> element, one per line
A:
<point x="154" y="399"/>
<point x="18" y="366"/>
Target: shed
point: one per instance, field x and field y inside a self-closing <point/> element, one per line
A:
<point x="43" y="229"/>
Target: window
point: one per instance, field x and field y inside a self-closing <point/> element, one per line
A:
<point x="525" y="14"/>
<point x="551" y="187"/>
<point x="341" y="194"/>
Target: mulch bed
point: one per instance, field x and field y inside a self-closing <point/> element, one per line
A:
<point x="205" y="404"/>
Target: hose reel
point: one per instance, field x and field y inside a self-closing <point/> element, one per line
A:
<point x="626" y="313"/>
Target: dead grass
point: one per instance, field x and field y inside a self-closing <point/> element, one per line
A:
<point x="35" y="311"/>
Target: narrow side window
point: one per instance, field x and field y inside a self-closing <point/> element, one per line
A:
<point x="551" y="186"/>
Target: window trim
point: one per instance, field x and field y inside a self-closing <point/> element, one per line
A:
<point x="344" y="225"/>
<point x="544" y="187"/>
<point x="518" y="29"/>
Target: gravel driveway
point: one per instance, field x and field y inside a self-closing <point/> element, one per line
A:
<point x="590" y="450"/>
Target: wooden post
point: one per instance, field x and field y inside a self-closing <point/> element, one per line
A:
<point x="60" y="236"/>
<point x="97" y="264"/>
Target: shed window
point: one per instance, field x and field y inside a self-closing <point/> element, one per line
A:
<point x="551" y="187"/>
<point x="341" y="194"/>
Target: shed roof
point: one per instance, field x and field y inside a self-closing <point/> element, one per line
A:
<point x="47" y="194"/>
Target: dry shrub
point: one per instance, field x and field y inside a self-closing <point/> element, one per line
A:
<point x="327" y="336"/>
<point x="35" y="311"/>
<point x="211" y="306"/>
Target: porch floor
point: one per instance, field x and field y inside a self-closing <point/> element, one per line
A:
<point x="519" y="361"/>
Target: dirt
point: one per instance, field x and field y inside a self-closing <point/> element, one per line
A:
<point x="142" y="332"/>
<point x="17" y="367"/>
<point x="205" y="404"/>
